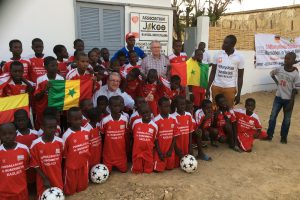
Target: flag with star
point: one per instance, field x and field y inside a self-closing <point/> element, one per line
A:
<point x="191" y="72"/>
<point x="65" y="94"/>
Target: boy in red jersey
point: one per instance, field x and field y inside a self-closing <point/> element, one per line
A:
<point x="37" y="68"/>
<point x="248" y="126"/>
<point x="93" y="59"/>
<point x="104" y="57"/>
<point x="177" y="56"/>
<point x="42" y="87"/>
<point x="132" y="82"/>
<point x="133" y="59"/>
<point x="82" y="70"/>
<point x="46" y="157"/>
<point x="15" y="47"/>
<point x="138" y="101"/>
<point x="164" y="155"/>
<point x="225" y="121"/>
<point x="95" y="137"/>
<point x="144" y="132"/>
<point x="148" y="90"/>
<point x="53" y="112"/>
<point x="17" y="83"/>
<point x="61" y="53"/>
<point x="14" y="162"/>
<point x="185" y="126"/>
<point x="102" y="103"/>
<point x="78" y="46"/>
<point x="114" y="129"/>
<point x="172" y="88"/>
<point x="76" y="154"/>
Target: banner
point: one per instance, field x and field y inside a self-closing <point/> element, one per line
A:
<point x="149" y="27"/>
<point x="271" y="49"/>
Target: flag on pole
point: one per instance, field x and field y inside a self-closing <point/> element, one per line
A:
<point x="8" y="106"/>
<point x="64" y="94"/>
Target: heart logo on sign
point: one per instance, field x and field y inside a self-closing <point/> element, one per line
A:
<point x="134" y="19"/>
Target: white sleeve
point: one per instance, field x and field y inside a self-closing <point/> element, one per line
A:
<point x="241" y="64"/>
<point x="215" y="58"/>
<point x="129" y="102"/>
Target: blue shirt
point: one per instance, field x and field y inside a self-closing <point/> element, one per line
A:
<point x="140" y="53"/>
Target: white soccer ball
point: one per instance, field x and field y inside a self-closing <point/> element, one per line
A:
<point x="53" y="193"/>
<point x="99" y="173"/>
<point x="188" y="163"/>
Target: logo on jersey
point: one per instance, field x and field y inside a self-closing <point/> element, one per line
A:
<point x="251" y="122"/>
<point x="86" y="137"/>
<point x="75" y="141"/>
<point x="41" y="151"/>
<point x="219" y="60"/>
<point x="172" y="125"/>
<point x="3" y="161"/>
<point x="151" y="130"/>
<point x="20" y="157"/>
<point x="122" y="126"/>
<point x="57" y="151"/>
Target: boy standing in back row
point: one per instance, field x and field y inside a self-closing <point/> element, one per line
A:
<point x="285" y="78"/>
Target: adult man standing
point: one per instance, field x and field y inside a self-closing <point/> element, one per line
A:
<point x="156" y="61"/>
<point x="227" y="72"/>
<point x="130" y="41"/>
<point x="112" y="88"/>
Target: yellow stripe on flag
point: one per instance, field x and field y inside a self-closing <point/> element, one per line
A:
<point x="193" y="72"/>
<point x="14" y="102"/>
<point x="72" y="94"/>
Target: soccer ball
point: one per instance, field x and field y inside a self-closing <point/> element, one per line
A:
<point x="188" y="163"/>
<point x="99" y="173"/>
<point x="53" y="193"/>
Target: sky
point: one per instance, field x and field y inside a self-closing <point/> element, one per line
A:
<point x="259" y="4"/>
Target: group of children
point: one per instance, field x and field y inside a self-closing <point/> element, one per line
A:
<point x="60" y="148"/>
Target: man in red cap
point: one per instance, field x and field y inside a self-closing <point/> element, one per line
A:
<point x="130" y="42"/>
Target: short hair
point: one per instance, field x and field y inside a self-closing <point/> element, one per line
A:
<point x="58" y="48"/>
<point x="114" y="74"/>
<point x="178" y="97"/>
<point x="78" y="54"/>
<point x="102" y="98"/>
<point x="155" y="41"/>
<point x="73" y="110"/>
<point x="50" y="111"/>
<point x="36" y="40"/>
<point x="91" y="51"/>
<point x="293" y="54"/>
<point x="205" y="102"/>
<point x="131" y="52"/>
<point x="48" y="59"/>
<point x="114" y="98"/>
<point x="48" y="117"/>
<point x="175" y="41"/>
<point x="95" y="49"/>
<point x="218" y="97"/>
<point x="10" y="124"/>
<point x="77" y="40"/>
<point x="14" y="41"/>
<point x="175" y="78"/>
<point x="152" y="71"/>
<point x="250" y="100"/>
<point x="20" y="112"/>
<point x="82" y="102"/>
<point x="16" y="63"/>
<point x="121" y="54"/>
<point x="102" y="49"/>
<point x="198" y="50"/>
<point x="232" y="38"/>
<point x="93" y="114"/>
<point x="162" y="100"/>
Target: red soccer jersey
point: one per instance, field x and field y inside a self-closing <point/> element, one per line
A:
<point x="165" y="89"/>
<point x="114" y="146"/>
<point x="28" y="138"/>
<point x="221" y="120"/>
<point x="145" y="89"/>
<point x="178" y="59"/>
<point x="26" y="65"/>
<point x="74" y="75"/>
<point x="167" y="130"/>
<point x="36" y="68"/>
<point x="48" y="157"/>
<point x="62" y="68"/>
<point x="247" y="124"/>
<point x="132" y="88"/>
<point x="13" y="89"/>
<point x="71" y="59"/>
<point x="185" y="126"/>
<point x="199" y="118"/>
<point x="76" y="148"/>
<point x="4" y="80"/>
<point x="95" y="145"/>
<point x="13" y="164"/>
<point x="144" y="135"/>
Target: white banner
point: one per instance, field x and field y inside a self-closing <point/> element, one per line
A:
<point x="149" y="27"/>
<point x="270" y="49"/>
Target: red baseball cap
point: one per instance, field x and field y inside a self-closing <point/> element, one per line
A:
<point x="129" y="35"/>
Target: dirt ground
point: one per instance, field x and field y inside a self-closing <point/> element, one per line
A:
<point x="270" y="171"/>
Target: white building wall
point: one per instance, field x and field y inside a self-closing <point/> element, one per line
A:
<point x="161" y="3"/>
<point x="51" y="20"/>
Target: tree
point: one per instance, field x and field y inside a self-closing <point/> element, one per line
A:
<point x="186" y="12"/>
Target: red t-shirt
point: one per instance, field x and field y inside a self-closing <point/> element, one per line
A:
<point x="95" y="144"/>
<point x="40" y="86"/>
<point x="199" y="118"/>
<point x="26" y="65"/>
<point x="185" y="126"/>
<point x="36" y="68"/>
<point x="245" y="123"/>
<point x="76" y="148"/>
<point x="48" y="157"/>
<point x="114" y="146"/>
<point x="165" y="89"/>
<point x="144" y="135"/>
<point x="74" y="75"/>
<point x="11" y="88"/>
<point x="71" y="59"/>
<point x="178" y="59"/>
<point x="132" y="88"/>
<point x="62" y="68"/>
<point x="4" y="80"/>
<point x="13" y="164"/>
<point x="28" y="138"/>
<point x="221" y="120"/>
<point x="167" y="130"/>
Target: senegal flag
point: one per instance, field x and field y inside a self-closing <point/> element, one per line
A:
<point x="65" y="94"/>
<point x="191" y="72"/>
<point x="10" y="104"/>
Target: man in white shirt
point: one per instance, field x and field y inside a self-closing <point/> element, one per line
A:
<point x="227" y="72"/>
<point x="113" y="89"/>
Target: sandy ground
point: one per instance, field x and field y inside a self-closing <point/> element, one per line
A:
<point x="271" y="171"/>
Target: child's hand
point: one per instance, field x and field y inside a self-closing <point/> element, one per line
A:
<point x="91" y="71"/>
<point x="46" y="183"/>
<point x="149" y="97"/>
<point x="161" y="156"/>
<point x="169" y="153"/>
<point x="48" y="85"/>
